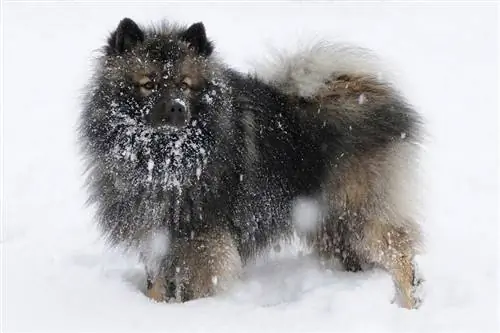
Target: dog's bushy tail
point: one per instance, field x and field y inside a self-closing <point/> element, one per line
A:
<point x="305" y="70"/>
<point x="352" y="84"/>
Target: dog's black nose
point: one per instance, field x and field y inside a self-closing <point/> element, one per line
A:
<point x="171" y="113"/>
<point x="177" y="107"/>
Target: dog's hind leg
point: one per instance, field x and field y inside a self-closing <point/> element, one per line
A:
<point x="345" y="194"/>
<point x="330" y="243"/>
<point x="369" y="205"/>
<point x="391" y="247"/>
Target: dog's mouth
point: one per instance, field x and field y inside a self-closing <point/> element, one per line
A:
<point x="165" y="128"/>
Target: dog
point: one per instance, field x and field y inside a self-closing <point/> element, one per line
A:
<point x="198" y="167"/>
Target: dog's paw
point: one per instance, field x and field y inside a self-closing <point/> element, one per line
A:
<point x="156" y="290"/>
<point x="418" y="287"/>
<point x="412" y="297"/>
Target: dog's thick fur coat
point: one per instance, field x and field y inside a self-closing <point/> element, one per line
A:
<point x="216" y="192"/>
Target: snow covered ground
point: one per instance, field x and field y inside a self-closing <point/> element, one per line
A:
<point x="58" y="276"/>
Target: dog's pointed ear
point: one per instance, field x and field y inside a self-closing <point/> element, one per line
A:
<point x="125" y="37"/>
<point x="197" y="39"/>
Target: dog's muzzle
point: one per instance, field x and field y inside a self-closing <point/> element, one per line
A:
<point x="171" y="112"/>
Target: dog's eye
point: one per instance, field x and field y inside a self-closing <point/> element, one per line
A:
<point x="186" y="83"/>
<point x="150" y="85"/>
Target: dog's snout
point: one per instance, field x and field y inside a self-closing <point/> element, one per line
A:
<point x="176" y="107"/>
<point x="172" y="113"/>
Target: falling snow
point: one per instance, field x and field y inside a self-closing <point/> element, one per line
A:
<point x="362" y="98"/>
<point x="306" y="213"/>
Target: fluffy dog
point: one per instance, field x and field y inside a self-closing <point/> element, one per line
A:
<point x="197" y="166"/>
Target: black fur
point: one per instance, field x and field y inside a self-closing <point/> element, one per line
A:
<point x="196" y="37"/>
<point x="125" y="37"/>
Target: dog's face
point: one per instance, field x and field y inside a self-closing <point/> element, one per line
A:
<point x="161" y="75"/>
<point x="158" y="105"/>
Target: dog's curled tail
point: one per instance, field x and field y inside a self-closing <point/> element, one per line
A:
<point x="306" y="70"/>
<point x="352" y="86"/>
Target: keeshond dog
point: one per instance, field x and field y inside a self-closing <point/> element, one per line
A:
<point x="198" y="167"/>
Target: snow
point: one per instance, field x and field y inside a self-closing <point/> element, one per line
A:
<point x="306" y="213"/>
<point x="156" y="247"/>
<point x="151" y="165"/>
<point x="58" y="275"/>
<point x="361" y="99"/>
<point x="180" y="101"/>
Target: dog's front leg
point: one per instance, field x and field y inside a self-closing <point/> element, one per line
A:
<point x="202" y="265"/>
<point x="156" y="288"/>
<point x="155" y="247"/>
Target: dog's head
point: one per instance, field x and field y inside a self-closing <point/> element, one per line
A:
<point x="162" y="73"/>
<point x="158" y="98"/>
